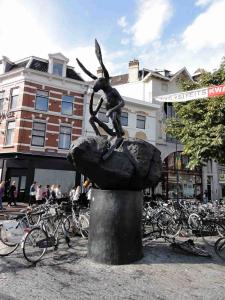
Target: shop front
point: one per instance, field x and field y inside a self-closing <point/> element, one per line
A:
<point x="26" y="168"/>
<point x="178" y="180"/>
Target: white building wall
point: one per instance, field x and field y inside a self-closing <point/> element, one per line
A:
<point x="132" y="107"/>
<point x="132" y="90"/>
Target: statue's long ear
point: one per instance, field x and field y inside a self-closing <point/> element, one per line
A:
<point x="85" y="70"/>
<point x="99" y="57"/>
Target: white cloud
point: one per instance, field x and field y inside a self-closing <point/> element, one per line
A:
<point x="122" y="22"/>
<point x="125" y="41"/>
<point x="173" y="56"/>
<point x="207" y="30"/>
<point x="204" y="2"/>
<point x="22" y="33"/>
<point x="152" y="19"/>
<point x="88" y="58"/>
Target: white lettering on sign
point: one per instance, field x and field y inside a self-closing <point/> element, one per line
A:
<point x="217" y="90"/>
<point x="184" y="96"/>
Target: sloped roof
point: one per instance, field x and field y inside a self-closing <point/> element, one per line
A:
<point x="41" y="65"/>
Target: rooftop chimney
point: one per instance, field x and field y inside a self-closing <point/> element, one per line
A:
<point x="133" y="70"/>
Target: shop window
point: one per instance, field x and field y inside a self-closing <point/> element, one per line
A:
<point x="41" y="100"/>
<point x="141" y="121"/>
<point x="38" y="134"/>
<point x="14" y="98"/>
<point x="102" y="115"/>
<point x="10" y="133"/>
<point x="1" y="101"/>
<point x="67" y="105"/>
<point x="65" y="137"/>
<point x="124" y="118"/>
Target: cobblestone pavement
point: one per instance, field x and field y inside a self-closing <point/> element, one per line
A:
<point x="69" y="274"/>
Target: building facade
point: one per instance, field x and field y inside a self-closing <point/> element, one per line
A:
<point x="42" y="106"/>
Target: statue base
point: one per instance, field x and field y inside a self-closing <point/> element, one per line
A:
<point x="115" y="232"/>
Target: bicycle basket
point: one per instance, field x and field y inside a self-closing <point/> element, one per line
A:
<point x="12" y="231"/>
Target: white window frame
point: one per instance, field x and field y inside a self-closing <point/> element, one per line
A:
<point x="13" y="133"/>
<point x="143" y="120"/>
<point x="14" y="94"/>
<point x="68" y="102"/>
<point x="63" y="126"/>
<point x="35" y="145"/>
<point x="42" y="94"/>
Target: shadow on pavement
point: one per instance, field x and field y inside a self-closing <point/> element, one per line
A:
<point x="160" y="252"/>
<point x="155" y="252"/>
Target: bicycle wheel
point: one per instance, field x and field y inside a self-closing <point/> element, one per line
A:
<point x="221" y="230"/>
<point x="70" y="226"/>
<point x="168" y="224"/>
<point x="32" y="248"/>
<point x="209" y="233"/>
<point x="220" y="247"/>
<point x="6" y="248"/>
<point x="194" y="221"/>
<point x="83" y="225"/>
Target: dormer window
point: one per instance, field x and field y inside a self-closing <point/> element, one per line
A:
<point x="57" y="64"/>
<point x="57" y="68"/>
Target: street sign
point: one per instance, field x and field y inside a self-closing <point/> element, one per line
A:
<point x="208" y="92"/>
<point x="216" y="90"/>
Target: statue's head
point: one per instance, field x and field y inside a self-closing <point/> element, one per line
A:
<point x="102" y="82"/>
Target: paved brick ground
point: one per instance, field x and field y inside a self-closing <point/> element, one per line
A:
<point x="69" y="274"/>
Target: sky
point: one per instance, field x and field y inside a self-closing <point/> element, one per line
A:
<point x="162" y="34"/>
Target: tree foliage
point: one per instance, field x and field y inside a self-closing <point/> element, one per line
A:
<point x="200" y="124"/>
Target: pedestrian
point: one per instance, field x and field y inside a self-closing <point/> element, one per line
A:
<point x="12" y="194"/>
<point x="39" y="194"/>
<point x="33" y="191"/>
<point x="47" y="192"/>
<point x="2" y="189"/>
<point x="75" y="193"/>
<point x="58" y="192"/>
<point x="52" y="192"/>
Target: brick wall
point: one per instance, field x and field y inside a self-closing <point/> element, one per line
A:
<point x="53" y="118"/>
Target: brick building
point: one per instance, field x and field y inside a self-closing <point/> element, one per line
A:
<point x="41" y="112"/>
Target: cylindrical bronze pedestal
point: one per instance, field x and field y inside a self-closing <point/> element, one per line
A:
<point x="115" y="234"/>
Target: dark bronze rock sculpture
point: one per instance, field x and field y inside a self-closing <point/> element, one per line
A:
<point x="135" y="165"/>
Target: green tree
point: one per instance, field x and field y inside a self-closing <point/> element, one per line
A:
<point x="200" y="124"/>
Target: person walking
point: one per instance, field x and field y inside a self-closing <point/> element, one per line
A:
<point x="75" y="193"/>
<point x="52" y="192"/>
<point x="58" y="192"/>
<point x="47" y="192"/>
<point x="2" y="189"/>
<point x="39" y="195"/>
<point x="12" y="194"/>
<point x="33" y="191"/>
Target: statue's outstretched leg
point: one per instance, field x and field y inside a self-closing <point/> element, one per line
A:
<point x="119" y="133"/>
<point x="94" y="120"/>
